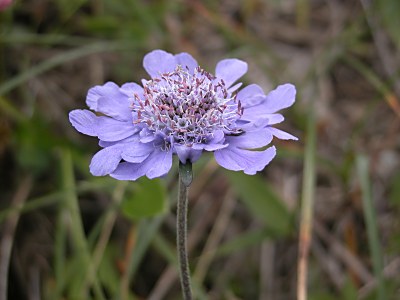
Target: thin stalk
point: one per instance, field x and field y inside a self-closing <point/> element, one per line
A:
<point x="185" y="179"/>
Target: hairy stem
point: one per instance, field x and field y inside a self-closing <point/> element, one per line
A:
<point x="185" y="179"/>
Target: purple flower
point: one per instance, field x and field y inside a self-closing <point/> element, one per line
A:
<point x="182" y="110"/>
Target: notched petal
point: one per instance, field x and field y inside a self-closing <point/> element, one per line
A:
<point x="230" y="70"/>
<point x="251" y="95"/>
<point x="137" y="152"/>
<point x="159" y="61"/>
<point x="84" y="121"/>
<point x="109" y="89"/>
<point x="186" y="61"/>
<point x="251" y="139"/>
<point x="250" y="162"/>
<point x="280" y="134"/>
<point x="282" y="97"/>
<point x="111" y="130"/>
<point x="106" y="161"/>
<point x="157" y="164"/>
<point x="117" y="108"/>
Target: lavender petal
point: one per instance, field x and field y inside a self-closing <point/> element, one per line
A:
<point x="106" y="160"/>
<point x="159" y="61"/>
<point x="109" y="89"/>
<point x="111" y="130"/>
<point x="230" y="70"/>
<point x="84" y="121"/>
<point x="280" y="134"/>
<point x="117" y="108"/>
<point x="250" y="162"/>
<point x="282" y="97"/>
<point x="136" y="152"/>
<point x="156" y="165"/>
<point x="251" y="140"/>
<point x="251" y="95"/>
<point x="186" y="153"/>
<point x="186" y="61"/>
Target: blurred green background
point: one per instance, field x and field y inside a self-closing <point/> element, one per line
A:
<point x="68" y="235"/>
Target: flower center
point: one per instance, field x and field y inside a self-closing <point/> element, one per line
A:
<point x="187" y="108"/>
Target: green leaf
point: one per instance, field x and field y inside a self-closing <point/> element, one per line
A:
<point x="147" y="199"/>
<point x="262" y="202"/>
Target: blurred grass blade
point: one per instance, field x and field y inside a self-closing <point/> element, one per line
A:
<point x="370" y="220"/>
<point x="10" y="111"/>
<point x="388" y="10"/>
<point x="307" y="206"/>
<point x="57" y="60"/>
<point x="243" y="241"/>
<point x="381" y="86"/>
<point x="60" y="250"/>
<point x="146" y="232"/>
<point x="169" y="253"/>
<point x="76" y="226"/>
<point x="262" y="201"/>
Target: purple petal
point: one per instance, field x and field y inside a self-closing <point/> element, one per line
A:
<point x="210" y="146"/>
<point x="280" y="134"/>
<point x="106" y="161"/>
<point x="109" y="89"/>
<point x="84" y="121"/>
<point x="110" y="130"/>
<point x="115" y="107"/>
<point x="274" y="118"/>
<point x="235" y="87"/>
<point x="255" y="113"/>
<point x="146" y="135"/>
<point x="156" y="165"/>
<point x="186" y="60"/>
<point x="282" y="97"/>
<point x="215" y="143"/>
<point x="258" y="123"/>
<point x="186" y="153"/>
<point x="159" y="164"/>
<point x="136" y="152"/>
<point x="250" y="162"/>
<point x="230" y="70"/>
<point x="131" y="88"/>
<point x="159" y="61"/>
<point x="127" y="171"/>
<point x="131" y="139"/>
<point x="251" y="95"/>
<point x="251" y="140"/>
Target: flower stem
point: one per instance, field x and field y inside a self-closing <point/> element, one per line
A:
<point x="185" y="179"/>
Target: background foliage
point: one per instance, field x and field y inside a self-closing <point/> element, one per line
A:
<point x="68" y="235"/>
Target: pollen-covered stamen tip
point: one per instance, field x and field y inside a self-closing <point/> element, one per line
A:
<point x="187" y="108"/>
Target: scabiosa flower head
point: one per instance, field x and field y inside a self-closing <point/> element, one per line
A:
<point x="182" y="110"/>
